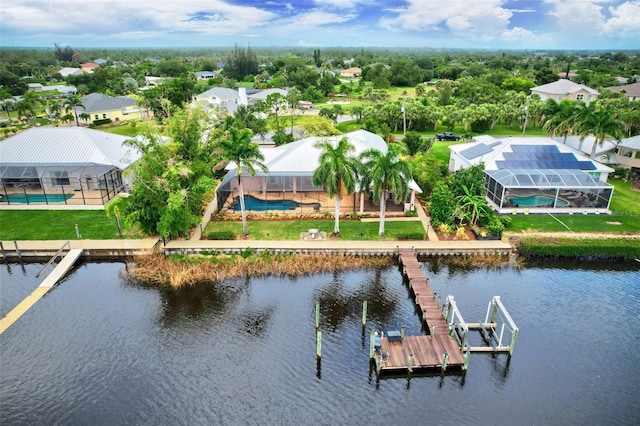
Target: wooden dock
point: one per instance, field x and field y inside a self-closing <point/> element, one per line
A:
<point x="410" y="353"/>
<point x="60" y="271"/>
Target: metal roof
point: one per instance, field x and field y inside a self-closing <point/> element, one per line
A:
<point x="47" y="146"/>
<point x="96" y="102"/>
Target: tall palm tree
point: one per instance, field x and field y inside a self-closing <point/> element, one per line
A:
<point x="237" y="148"/>
<point x="6" y="100"/>
<point x="600" y="123"/>
<point x="72" y="103"/>
<point x="558" y="117"/>
<point x="336" y="172"/>
<point x="388" y="174"/>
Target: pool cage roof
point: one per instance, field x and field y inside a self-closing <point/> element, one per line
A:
<point x="545" y="178"/>
<point x="31" y="172"/>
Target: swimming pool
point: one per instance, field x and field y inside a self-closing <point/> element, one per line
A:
<point x="252" y="203"/>
<point x="37" y="198"/>
<point x="535" y="201"/>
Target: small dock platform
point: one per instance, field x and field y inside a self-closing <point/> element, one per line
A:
<point x="59" y="271"/>
<point x="419" y="353"/>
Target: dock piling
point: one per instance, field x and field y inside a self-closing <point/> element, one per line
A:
<point x="15" y="243"/>
<point x="444" y="361"/>
<point x="4" y="254"/>
<point x="364" y="314"/>
<point x="319" y="344"/>
<point x="317" y="315"/>
<point x="410" y="363"/>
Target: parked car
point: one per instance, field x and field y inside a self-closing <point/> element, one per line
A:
<point x="447" y="136"/>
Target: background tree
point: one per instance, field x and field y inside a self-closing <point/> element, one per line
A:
<point x="335" y="173"/>
<point x="236" y="147"/>
<point x="240" y="63"/>
<point x="442" y="205"/>
<point x="388" y="174"/>
<point x="173" y="176"/>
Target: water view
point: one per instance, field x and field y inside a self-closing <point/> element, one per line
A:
<point x="101" y="350"/>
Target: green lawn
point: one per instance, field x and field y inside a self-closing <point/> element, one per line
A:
<point x="291" y="229"/>
<point x="58" y="225"/>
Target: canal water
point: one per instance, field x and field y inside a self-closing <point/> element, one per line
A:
<point x="102" y="350"/>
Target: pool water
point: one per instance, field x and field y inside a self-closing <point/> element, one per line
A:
<point x="252" y="203"/>
<point x="535" y="201"/>
<point x="37" y="198"/>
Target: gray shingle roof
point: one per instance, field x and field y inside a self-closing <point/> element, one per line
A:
<point x="563" y="87"/>
<point x="97" y="102"/>
<point x="46" y="146"/>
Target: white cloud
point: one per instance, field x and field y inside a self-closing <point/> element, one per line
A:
<point x="481" y="17"/>
<point x="518" y="34"/>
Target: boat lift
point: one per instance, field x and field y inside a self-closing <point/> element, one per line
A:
<point x="497" y="317"/>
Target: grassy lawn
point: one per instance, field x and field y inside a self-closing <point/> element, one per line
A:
<point x="625" y="206"/>
<point x="291" y="229"/>
<point x="59" y="225"/>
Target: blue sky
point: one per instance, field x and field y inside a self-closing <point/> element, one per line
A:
<point x="467" y="24"/>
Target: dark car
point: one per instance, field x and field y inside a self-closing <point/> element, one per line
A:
<point x="447" y="136"/>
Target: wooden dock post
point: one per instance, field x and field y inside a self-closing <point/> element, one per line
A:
<point x="467" y="356"/>
<point x="319" y="344"/>
<point x="410" y="363"/>
<point x="372" y="343"/>
<point x="317" y="315"/>
<point x="4" y="255"/>
<point x="364" y="314"/>
<point x="444" y="361"/>
<point x="402" y="331"/>
<point x="15" y="243"/>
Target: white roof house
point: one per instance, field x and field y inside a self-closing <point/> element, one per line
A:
<point x="67" y="71"/>
<point x="565" y="89"/>
<point x="298" y="160"/>
<point x="71" y="160"/>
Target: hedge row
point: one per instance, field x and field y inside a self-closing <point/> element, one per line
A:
<point x="593" y="248"/>
<point x="221" y="235"/>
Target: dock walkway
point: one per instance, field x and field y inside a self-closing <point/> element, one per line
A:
<point x="58" y="272"/>
<point x="437" y="350"/>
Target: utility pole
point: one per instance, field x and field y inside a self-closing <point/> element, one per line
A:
<point x="404" y="119"/>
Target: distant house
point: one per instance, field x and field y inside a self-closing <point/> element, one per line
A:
<point x="628" y="152"/>
<point x="104" y="107"/>
<point x="262" y="95"/>
<point x="632" y="91"/>
<point x="89" y="66"/>
<point x="67" y="71"/>
<point x="228" y="99"/>
<point x="204" y="75"/>
<point x="353" y="72"/>
<point x="64" y="166"/>
<point x="36" y="87"/>
<point x="100" y="61"/>
<point x="565" y="89"/>
<point x="537" y="175"/>
<point x="154" y="81"/>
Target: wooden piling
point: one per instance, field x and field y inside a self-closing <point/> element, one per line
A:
<point x="15" y="243"/>
<point x="410" y="363"/>
<point x="444" y="361"/>
<point x="364" y="313"/>
<point x="319" y="344"/>
<point x="317" y="315"/>
<point x="372" y="343"/>
<point x="467" y="356"/>
<point x="4" y="254"/>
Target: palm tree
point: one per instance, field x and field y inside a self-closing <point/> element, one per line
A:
<point x="600" y="123"/>
<point x="471" y="206"/>
<point x="388" y="174"/>
<point x="293" y="99"/>
<point x="558" y="117"/>
<point x="6" y="100"/>
<point x="336" y="172"/>
<point x="23" y="109"/>
<point x="72" y="103"/>
<point x="237" y="148"/>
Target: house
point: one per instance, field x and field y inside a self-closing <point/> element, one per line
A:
<point x="89" y="66"/>
<point x="64" y="166"/>
<point x="218" y="98"/>
<point x="628" y="152"/>
<point x="537" y="175"/>
<point x="290" y="168"/>
<point x="565" y="89"/>
<point x="115" y="109"/>
<point x="68" y="71"/>
<point x="36" y="87"/>
<point x="584" y="145"/>
<point x="632" y="91"/>
<point x="154" y="81"/>
<point x="353" y="72"/>
<point x="204" y="75"/>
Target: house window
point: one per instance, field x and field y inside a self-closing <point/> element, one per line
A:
<point x="97" y="118"/>
<point x="60" y="178"/>
<point x="117" y="118"/>
<point x="580" y="97"/>
<point x="104" y="115"/>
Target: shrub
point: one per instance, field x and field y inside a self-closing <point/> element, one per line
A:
<point x="102" y="121"/>
<point x="411" y="236"/>
<point x="246" y="253"/>
<point x="495" y="227"/>
<point x="221" y="235"/>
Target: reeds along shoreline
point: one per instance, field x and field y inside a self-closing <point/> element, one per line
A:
<point x="193" y="269"/>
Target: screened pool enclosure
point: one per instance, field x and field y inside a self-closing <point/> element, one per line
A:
<point x="76" y="185"/>
<point x="546" y="190"/>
